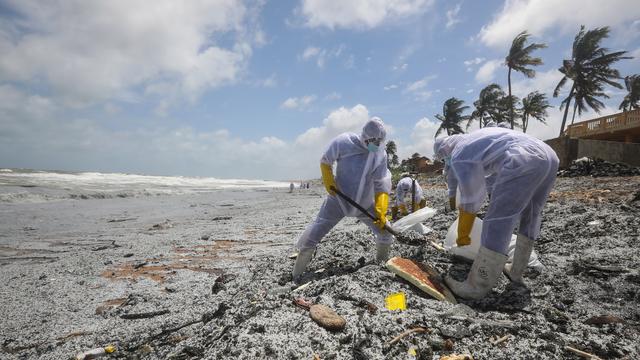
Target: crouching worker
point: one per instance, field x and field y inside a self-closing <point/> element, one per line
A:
<point x="362" y="175"/>
<point x="525" y="171"/>
<point x="409" y="197"/>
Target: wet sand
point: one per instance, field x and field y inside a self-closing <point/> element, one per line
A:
<point x="208" y="276"/>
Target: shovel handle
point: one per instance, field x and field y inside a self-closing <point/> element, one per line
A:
<point x="363" y="210"/>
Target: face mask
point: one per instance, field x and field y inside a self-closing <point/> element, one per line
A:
<point x="372" y="147"/>
<point x="447" y="160"/>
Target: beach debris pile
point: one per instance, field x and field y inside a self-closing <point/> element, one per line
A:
<point x="595" y="167"/>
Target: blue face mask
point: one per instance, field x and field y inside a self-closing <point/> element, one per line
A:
<point x="372" y="147"/>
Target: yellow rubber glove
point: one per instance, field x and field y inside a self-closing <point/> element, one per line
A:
<point x="452" y="203"/>
<point x="327" y="178"/>
<point x="465" y="224"/>
<point x="403" y="210"/>
<point x="382" y="204"/>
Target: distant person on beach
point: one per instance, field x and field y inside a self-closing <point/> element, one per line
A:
<point x="361" y="174"/>
<point x="291" y="186"/>
<point x="409" y="197"/>
<point x="525" y="171"/>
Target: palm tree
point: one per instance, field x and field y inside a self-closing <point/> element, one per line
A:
<point x="486" y="105"/>
<point x="519" y="58"/>
<point x="452" y="117"/>
<point x="589" y="69"/>
<point x="504" y="110"/>
<point x="587" y="95"/>
<point x="535" y="106"/>
<point x="632" y="99"/>
<point x="392" y="156"/>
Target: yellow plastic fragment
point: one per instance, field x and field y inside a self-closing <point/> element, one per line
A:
<point x="412" y="351"/>
<point x="396" y="301"/>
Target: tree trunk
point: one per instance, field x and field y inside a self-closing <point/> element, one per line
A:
<point x="525" y="123"/>
<point x="510" y="102"/>
<point x="573" y="118"/>
<point x="566" y="109"/>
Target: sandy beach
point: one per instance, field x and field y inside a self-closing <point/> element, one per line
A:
<point x="207" y="275"/>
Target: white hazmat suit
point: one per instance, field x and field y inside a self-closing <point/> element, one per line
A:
<point x="524" y="169"/>
<point x="404" y="191"/>
<point x="360" y="174"/>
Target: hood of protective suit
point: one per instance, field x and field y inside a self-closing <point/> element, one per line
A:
<point x="373" y="129"/>
<point x="444" y="146"/>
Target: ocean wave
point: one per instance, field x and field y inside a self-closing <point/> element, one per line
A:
<point x="25" y="197"/>
<point x="51" y="185"/>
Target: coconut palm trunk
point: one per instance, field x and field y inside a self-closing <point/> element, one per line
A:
<point x="511" y="104"/>
<point x="575" y="106"/>
<point x="566" y="108"/>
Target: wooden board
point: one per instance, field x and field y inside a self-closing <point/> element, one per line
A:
<point x="422" y="276"/>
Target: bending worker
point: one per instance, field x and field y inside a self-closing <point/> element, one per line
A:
<point x="525" y="171"/>
<point x="362" y="175"/>
<point x="409" y="196"/>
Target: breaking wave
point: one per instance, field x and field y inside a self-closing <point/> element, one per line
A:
<point x="40" y="186"/>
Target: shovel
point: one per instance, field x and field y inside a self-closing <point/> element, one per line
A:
<point x="364" y="211"/>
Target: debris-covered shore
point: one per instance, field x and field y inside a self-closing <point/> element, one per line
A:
<point x="208" y="276"/>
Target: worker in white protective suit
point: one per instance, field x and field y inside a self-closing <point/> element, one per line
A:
<point x="409" y="197"/>
<point x="446" y="147"/>
<point x="362" y="175"/>
<point x="525" y="171"/>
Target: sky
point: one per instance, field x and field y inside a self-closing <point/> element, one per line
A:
<point x="257" y="89"/>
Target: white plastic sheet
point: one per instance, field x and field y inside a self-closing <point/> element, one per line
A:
<point x="414" y="221"/>
<point x="470" y="251"/>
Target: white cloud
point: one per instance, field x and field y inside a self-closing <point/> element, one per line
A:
<point x="442" y="59"/>
<point x="390" y="87"/>
<point x="476" y="61"/>
<point x="338" y="121"/>
<point x="544" y="82"/>
<point x="471" y="63"/>
<point x="321" y="56"/>
<point x="540" y="16"/>
<point x="486" y="72"/>
<point x="422" y="139"/>
<point x="310" y="52"/>
<point x="299" y="103"/>
<point x="420" y="84"/>
<point x="452" y="16"/>
<point x="91" y="51"/>
<point x="359" y="14"/>
<point x="418" y="88"/>
<point x="469" y="91"/>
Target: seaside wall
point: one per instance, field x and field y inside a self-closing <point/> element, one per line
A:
<point x="569" y="149"/>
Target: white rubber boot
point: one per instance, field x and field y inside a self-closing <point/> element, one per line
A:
<point x="514" y="270"/>
<point x="484" y="274"/>
<point x="382" y="252"/>
<point x="303" y="259"/>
